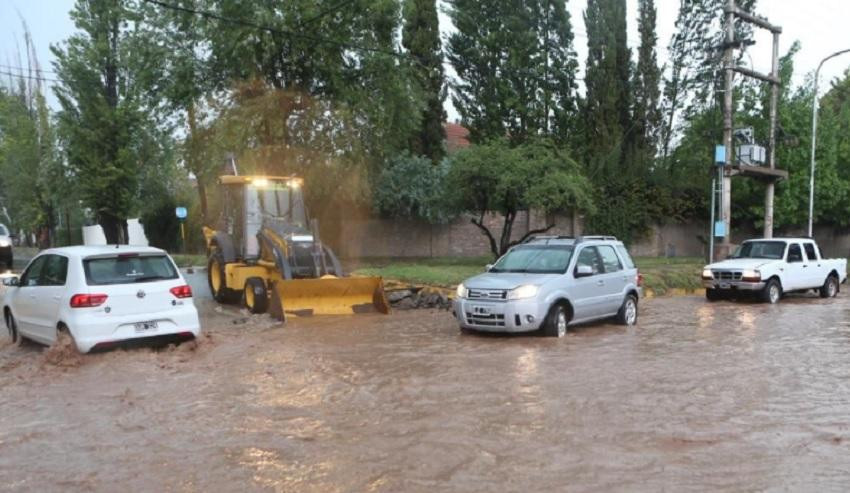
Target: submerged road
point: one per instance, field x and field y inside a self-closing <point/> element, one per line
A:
<point x="724" y="396"/>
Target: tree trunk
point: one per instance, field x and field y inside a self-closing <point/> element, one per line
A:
<point x="114" y="228"/>
<point x="202" y="199"/>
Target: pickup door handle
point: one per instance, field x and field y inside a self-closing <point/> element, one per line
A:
<point x="600" y="282"/>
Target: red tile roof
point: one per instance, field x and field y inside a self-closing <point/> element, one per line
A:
<point x="457" y="137"/>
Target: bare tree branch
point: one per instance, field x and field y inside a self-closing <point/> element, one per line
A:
<point x="480" y="224"/>
<point x="531" y="233"/>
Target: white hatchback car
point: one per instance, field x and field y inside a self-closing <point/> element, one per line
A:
<point x="101" y="295"/>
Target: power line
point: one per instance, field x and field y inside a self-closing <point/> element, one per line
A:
<point x="27" y="69"/>
<point x="30" y="77"/>
<point x="323" y="13"/>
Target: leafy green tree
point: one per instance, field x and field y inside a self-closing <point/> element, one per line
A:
<point x="607" y="101"/>
<point x="647" y="89"/>
<point x="103" y="124"/>
<point x="515" y="69"/>
<point x="412" y="187"/>
<point x="421" y="39"/>
<point x="496" y="178"/>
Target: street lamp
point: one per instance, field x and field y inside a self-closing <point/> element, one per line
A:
<point x="814" y="137"/>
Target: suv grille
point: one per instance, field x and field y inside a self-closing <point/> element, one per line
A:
<point x="726" y="275"/>
<point x="491" y="320"/>
<point x="487" y="294"/>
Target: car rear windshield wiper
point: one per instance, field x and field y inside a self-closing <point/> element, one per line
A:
<point x="151" y="278"/>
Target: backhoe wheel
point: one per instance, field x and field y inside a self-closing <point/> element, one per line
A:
<point x="830" y="287"/>
<point x="218" y="281"/>
<point x="255" y="297"/>
<point x="556" y="322"/>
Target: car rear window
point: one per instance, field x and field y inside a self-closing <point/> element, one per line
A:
<point x="128" y="269"/>
<point x="627" y="259"/>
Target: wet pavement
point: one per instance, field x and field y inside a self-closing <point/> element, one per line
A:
<point x="698" y="396"/>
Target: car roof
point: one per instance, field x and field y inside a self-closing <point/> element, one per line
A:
<point x="782" y="238"/>
<point x="97" y="250"/>
<point x="569" y="240"/>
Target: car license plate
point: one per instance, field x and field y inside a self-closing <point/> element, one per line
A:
<point x="481" y="310"/>
<point x="146" y="326"/>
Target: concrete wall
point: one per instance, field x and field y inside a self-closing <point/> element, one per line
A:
<point x="405" y="238"/>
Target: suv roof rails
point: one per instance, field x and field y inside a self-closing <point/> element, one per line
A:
<point x="548" y="237"/>
<point x="595" y="238"/>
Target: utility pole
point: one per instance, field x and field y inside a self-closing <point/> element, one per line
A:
<point x="770" y="175"/>
<point x="726" y="184"/>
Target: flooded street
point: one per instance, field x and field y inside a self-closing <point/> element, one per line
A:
<point x="735" y="396"/>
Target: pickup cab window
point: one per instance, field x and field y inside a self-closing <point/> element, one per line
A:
<point x="795" y="254"/>
<point x="811" y="251"/>
<point x="761" y="249"/>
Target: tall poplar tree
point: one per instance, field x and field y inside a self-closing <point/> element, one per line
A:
<point x="647" y="90"/>
<point x="421" y="39"/>
<point x="515" y="68"/>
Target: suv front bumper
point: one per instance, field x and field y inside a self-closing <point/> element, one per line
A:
<point x="494" y="316"/>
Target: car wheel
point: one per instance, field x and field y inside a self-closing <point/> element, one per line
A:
<point x="255" y="297"/>
<point x="713" y="294"/>
<point x="830" y="287"/>
<point x="217" y="280"/>
<point x="12" y="327"/>
<point x="628" y="313"/>
<point x="772" y="292"/>
<point x="556" y="321"/>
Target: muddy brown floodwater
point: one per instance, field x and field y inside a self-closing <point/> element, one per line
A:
<point x="698" y="396"/>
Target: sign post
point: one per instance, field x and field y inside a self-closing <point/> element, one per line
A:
<point x="182" y="213"/>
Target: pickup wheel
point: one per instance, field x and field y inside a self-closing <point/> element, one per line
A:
<point x="772" y="292"/>
<point x="556" y="321"/>
<point x="830" y="287"/>
<point x="713" y="294"/>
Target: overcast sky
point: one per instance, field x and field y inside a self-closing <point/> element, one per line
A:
<point x="820" y="25"/>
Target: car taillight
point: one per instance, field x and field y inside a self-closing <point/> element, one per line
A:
<point x="183" y="291"/>
<point x="639" y="280"/>
<point x="87" y="300"/>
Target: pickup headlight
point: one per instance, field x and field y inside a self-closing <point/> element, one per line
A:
<point x="522" y="292"/>
<point x="462" y="292"/>
<point x="750" y="275"/>
<point x="706" y="274"/>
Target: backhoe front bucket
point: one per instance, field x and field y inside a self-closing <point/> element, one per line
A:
<point x="331" y="296"/>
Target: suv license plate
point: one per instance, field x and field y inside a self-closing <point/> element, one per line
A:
<point x="145" y="326"/>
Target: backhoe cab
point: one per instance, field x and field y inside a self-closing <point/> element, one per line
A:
<point x="266" y="252"/>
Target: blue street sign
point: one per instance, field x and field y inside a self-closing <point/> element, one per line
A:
<point x="181" y="212"/>
<point x="719" y="229"/>
<point x="720" y="155"/>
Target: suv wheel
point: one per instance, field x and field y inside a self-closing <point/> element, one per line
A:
<point x="713" y="294"/>
<point x="556" y="321"/>
<point x="628" y="313"/>
<point x="772" y="292"/>
<point x="830" y="287"/>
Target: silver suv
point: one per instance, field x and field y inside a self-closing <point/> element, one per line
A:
<point x="550" y="282"/>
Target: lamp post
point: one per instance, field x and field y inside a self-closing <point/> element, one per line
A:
<point x="815" y="136"/>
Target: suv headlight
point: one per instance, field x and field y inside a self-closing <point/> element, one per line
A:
<point x="462" y="292"/>
<point x="522" y="292"/>
<point x="706" y="274"/>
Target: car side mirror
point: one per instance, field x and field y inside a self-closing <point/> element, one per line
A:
<point x="11" y="281"/>
<point x="584" y="271"/>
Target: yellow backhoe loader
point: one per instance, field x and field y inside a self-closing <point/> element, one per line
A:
<point x="266" y="253"/>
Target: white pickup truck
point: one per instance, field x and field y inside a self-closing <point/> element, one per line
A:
<point x="771" y="267"/>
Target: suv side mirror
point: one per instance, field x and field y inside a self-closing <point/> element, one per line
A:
<point x="584" y="271"/>
<point x="11" y="281"/>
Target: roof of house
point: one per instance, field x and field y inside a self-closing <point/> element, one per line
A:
<point x="457" y="136"/>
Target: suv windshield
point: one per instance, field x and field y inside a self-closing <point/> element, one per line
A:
<point x="128" y="269"/>
<point x="537" y="259"/>
<point x="761" y="249"/>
